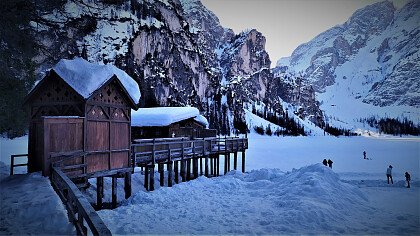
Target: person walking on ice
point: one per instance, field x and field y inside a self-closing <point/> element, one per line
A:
<point x="389" y="174"/>
<point x="407" y="178"/>
<point x="324" y="162"/>
<point x="364" y="155"/>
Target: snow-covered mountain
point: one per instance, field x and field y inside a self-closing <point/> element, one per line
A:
<point x="175" y="49"/>
<point x="368" y="66"/>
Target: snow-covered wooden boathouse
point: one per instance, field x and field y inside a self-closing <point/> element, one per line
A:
<point x="169" y="122"/>
<point x="83" y="110"/>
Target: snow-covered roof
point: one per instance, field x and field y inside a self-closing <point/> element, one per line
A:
<point x="85" y="77"/>
<point x="202" y="120"/>
<point x="162" y="116"/>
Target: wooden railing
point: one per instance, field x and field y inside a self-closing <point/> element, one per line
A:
<point x="78" y="207"/>
<point x="12" y="162"/>
<point x="146" y="151"/>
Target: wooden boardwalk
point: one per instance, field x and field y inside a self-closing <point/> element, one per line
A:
<point x="181" y="155"/>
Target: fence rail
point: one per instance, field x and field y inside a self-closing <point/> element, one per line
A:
<point x="12" y="162"/>
<point x="78" y="207"/>
<point x="146" y="151"/>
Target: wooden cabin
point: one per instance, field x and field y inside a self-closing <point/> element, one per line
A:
<point x="169" y="122"/>
<point x="85" y="108"/>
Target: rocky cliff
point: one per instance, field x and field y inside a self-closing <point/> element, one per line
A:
<point x="176" y="50"/>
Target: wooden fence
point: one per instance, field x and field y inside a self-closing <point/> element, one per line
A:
<point x="12" y="162"/>
<point x="150" y="151"/>
<point x="78" y="207"/>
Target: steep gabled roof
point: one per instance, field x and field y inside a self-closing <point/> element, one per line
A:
<point x="85" y="77"/>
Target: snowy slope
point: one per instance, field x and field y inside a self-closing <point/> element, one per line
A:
<point x="368" y="66"/>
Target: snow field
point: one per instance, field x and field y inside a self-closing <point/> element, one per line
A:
<point x="311" y="199"/>
<point x="285" y="191"/>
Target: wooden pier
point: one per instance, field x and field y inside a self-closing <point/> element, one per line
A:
<point x="187" y="158"/>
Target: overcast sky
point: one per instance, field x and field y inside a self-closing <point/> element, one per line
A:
<point x="285" y="23"/>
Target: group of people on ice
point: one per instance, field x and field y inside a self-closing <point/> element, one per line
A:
<point x="389" y="176"/>
<point x="389" y="173"/>
<point x="329" y="162"/>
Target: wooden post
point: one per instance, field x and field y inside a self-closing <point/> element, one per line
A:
<point x="206" y="167"/>
<point x="12" y="163"/>
<point x="127" y="184"/>
<point x="235" y="160"/>
<point x="195" y="167"/>
<point x="161" y="174"/>
<point x="183" y="177"/>
<point x="216" y="165"/>
<point x="226" y="164"/>
<point x="146" y="177"/>
<point x="188" y="169"/>
<point x="228" y="161"/>
<point x="201" y="166"/>
<point x="114" y="191"/>
<point x="99" y="191"/>
<point x="176" y="172"/>
<point x="152" y="178"/>
<point x="211" y="166"/>
<point x="243" y="161"/>
<point x="169" y="168"/>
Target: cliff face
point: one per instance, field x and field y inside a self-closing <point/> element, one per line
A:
<point x="176" y="50"/>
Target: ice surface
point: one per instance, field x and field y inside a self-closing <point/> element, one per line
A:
<point x="86" y="77"/>
<point x="285" y="191"/>
<point x="161" y="116"/>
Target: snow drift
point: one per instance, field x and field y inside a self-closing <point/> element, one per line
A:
<point x="311" y="199"/>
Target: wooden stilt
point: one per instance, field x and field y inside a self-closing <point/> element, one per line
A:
<point x="169" y="168"/>
<point x="206" y="167"/>
<point x="114" y="191"/>
<point x="195" y="167"/>
<point x="201" y="166"/>
<point x="226" y="164"/>
<point x="228" y="161"/>
<point x="188" y="169"/>
<point x="176" y="172"/>
<point x="235" y="160"/>
<point x="161" y="174"/>
<point x="211" y="166"/>
<point x="146" y="178"/>
<point x="216" y="164"/>
<point x="183" y="170"/>
<point x="127" y="185"/>
<point x="99" y="191"/>
<point x="243" y="161"/>
<point x="152" y="178"/>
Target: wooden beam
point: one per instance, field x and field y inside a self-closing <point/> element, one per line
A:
<point x="161" y="174"/>
<point x="176" y="172"/>
<point x="169" y="168"/>
<point x="243" y="161"/>
<point x="188" y="169"/>
<point x="127" y="185"/>
<point x="99" y="192"/>
<point x="114" y="191"/>
<point x="235" y="160"/>
<point x="146" y="178"/>
<point x="206" y="167"/>
<point x="152" y="178"/>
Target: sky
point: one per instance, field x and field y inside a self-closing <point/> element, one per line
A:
<point x="286" y="23"/>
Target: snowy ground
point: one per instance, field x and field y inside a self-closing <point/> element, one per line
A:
<point x="285" y="191"/>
